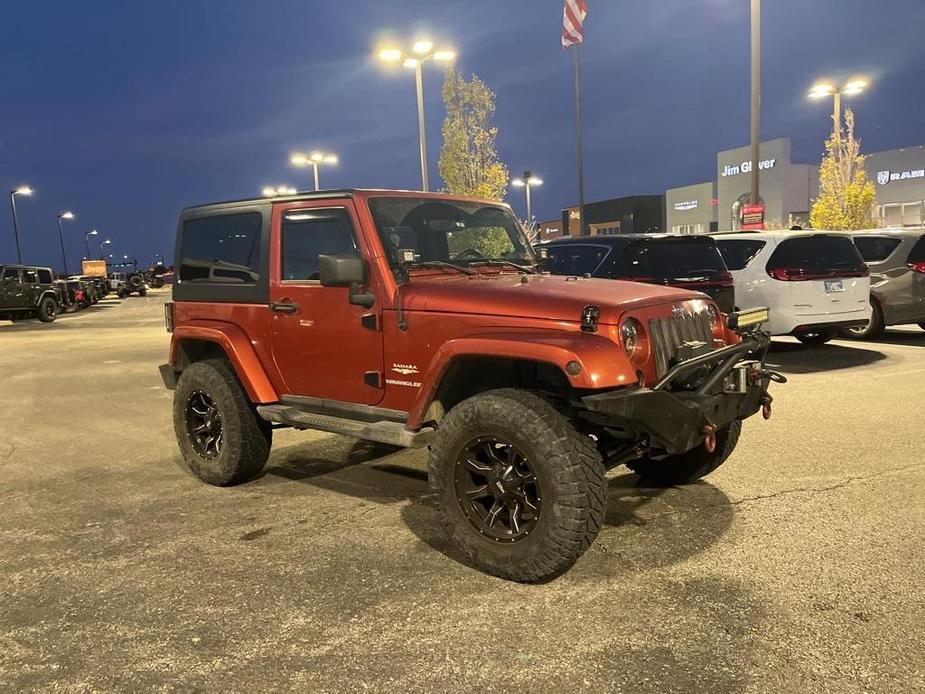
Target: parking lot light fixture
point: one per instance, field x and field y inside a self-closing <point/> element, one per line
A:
<point x="104" y="242"/>
<point x="821" y="90"/>
<point x="63" y="216"/>
<point x="527" y="182"/>
<point x="92" y="232"/>
<point x="314" y="160"/>
<point x="25" y="191"/>
<point x="421" y="52"/>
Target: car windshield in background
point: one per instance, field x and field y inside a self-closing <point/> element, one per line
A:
<point x="738" y="253"/>
<point x="670" y="259"/>
<point x="424" y="231"/>
<point x="575" y="259"/>
<point x="817" y="253"/>
<point x="875" y="249"/>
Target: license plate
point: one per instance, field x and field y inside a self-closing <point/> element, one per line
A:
<point x="832" y="286"/>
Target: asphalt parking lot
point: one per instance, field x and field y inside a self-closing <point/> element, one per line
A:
<point x="796" y="567"/>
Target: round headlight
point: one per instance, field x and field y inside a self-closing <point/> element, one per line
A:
<point x="629" y="335"/>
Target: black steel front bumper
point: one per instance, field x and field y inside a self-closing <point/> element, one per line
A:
<point x="732" y="384"/>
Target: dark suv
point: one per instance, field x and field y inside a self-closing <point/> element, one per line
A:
<point x="27" y="291"/>
<point x="896" y="258"/>
<point x="686" y="262"/>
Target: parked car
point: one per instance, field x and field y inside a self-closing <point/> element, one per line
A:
<point x="78" y="294"/>
<point x="896" y="258"/>
<point x="687" y="262"/>
<point x="28" y="291"/>
<point x="417" y="319"/>
<point x="815" y="282"/>
<point x="94" y="287"/>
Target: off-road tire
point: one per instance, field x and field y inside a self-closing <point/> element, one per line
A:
<point x="121" y="293"/>
<point x="691" y="466"/>
<point x="873" y="329"/>
<point x="142" y="292"/>
<point x="246" y="437"/>
<point x="816" y="339"/>
<point x="47" y="309"/>
<point x="568" y="469"/>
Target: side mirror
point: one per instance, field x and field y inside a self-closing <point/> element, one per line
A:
<point x="346" y="271"/>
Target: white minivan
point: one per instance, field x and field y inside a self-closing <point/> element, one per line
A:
<point x="815" y="282"/>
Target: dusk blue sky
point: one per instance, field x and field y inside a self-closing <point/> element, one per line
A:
<point x="126" y="112"/>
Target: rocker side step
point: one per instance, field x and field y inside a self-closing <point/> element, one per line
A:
<point x="392" y="433"/>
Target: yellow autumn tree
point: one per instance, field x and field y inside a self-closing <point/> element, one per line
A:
<point x="469" y="163"/>
<point x="846" y="197"/>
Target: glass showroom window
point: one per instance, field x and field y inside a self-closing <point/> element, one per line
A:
<point x="912" y="214"/>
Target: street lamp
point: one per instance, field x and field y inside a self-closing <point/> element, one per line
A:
<point x="104" y="242"/>
<point x="25" y="191"/>
<point x="823" y="89"/>
<point x="271" y="192"/>
<point x="313" y="160"/>
<point x="92" y="232"/>
<point x="527" y="182"/>
<point x="421" y="52"/>
<point x="68" y="216"/>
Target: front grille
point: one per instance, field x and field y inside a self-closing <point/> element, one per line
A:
<point x="669" y="333"/>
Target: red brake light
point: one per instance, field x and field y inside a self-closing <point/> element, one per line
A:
<point x="918" y="267"/>
<point x="725" y="280"/>
<point x="797" y="274"/>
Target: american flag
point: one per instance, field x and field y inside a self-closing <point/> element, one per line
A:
<point x="573" y="17"/>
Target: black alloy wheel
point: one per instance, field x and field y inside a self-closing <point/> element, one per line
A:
<point x="497" y="489"/>
<point x="203" y="425"/>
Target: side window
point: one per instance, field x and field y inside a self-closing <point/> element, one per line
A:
<point x="306" y="234"/>
<point x="221" y="249"/>
<point x="10" y="273"/>
<point x="29" y="276"/>
<point x="45" y="276"/>
<point x="875" y="249"/>
<point x="739" y="253"/>
<point x="917" y="254"/>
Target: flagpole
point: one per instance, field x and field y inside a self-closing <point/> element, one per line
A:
<point x="580" y="135"/>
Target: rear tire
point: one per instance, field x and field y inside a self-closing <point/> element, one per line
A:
<point x="545" y="479"/>
<point x="873" y="329"/>
<point x="47" y="310"/>
<point x="816" y="339"/>
<point x="691" y="466"/>
<point x="222" y="438"/>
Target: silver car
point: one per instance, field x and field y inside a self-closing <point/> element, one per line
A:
<point x="896" y="258"/>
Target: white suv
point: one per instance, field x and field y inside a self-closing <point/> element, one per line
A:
<point x="815" y="282"/>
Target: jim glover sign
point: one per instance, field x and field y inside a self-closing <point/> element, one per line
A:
<point x="746" y="167"/>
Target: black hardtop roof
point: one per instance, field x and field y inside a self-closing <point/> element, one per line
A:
<point x="614" y="239"/>
<point x="25" y="267"/>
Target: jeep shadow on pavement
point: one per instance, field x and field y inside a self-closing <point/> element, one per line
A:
<point x="416" y="319"/>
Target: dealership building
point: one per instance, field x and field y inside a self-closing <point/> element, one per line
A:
<point x="787" y="190"/>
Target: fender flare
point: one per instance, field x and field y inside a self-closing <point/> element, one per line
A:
<point x="239" y="350"/>
<point x="603" y="363"/>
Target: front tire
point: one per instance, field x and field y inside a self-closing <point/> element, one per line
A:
<point x="222" y="438"/>
<point x="816" y="339"/>
<point x="521" y="491"/>
<point x="47" y="310"/>
<point x="688" y="467"/>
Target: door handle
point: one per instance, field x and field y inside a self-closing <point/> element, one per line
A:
<point x="283" y="307"/>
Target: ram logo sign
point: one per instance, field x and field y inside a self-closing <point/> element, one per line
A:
<point x="884" y="177"/>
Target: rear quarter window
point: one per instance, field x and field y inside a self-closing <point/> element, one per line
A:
<point x="876" y="249"/>
<point x="917" y="254"/>
<point x="45" y="276"/>
<point x="738" y="253"/>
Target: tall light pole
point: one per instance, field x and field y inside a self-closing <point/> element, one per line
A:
<point x="421" y="52"/>
<point x="313" y="160"/>
<point x="756" y="95"/>
<point x="527" y="182"/>
<point x="823" y="89"/>
<point x="92" y="232"/>
<point x="69" y="216"/>
<point x="25" y="191"/>
<point x="104" y="242"/>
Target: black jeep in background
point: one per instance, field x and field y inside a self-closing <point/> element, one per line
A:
<point x="27" y="292"/>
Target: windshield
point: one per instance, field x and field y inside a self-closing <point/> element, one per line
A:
<point x="427" y="232"/>
<point x="670" y="259"/>
<point x="575" y="258"/>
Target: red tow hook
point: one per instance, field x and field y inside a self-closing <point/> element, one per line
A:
<point x="709" y="438"/>
<point x="766" y="405"/>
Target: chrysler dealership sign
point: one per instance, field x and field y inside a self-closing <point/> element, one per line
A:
<point x="746" y="167"/>
<point x="686" y="205"/>
<point x="884" y="177"/>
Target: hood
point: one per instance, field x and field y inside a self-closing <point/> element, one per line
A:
<point x="550" y="297"/>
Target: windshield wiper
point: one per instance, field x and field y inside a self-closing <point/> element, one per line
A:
<point x="502" y="262"/>
<point x="441" y="263"/>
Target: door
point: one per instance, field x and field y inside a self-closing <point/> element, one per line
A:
<point x="11" y="290"/>
<point x="30" y="286"/>
<point x="324" y="346"/>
